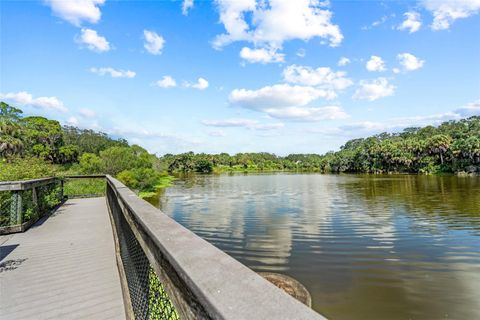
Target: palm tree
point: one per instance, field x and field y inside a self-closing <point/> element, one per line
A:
<point x="10" y="138"/>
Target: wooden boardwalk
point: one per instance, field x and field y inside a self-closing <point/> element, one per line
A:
<point x="63" y="267"/>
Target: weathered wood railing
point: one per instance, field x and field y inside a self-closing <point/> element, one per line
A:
<point x="24" y="202"/>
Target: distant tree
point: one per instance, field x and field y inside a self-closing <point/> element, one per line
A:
<point x="203" y="166"/>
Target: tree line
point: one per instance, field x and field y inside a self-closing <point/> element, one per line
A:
<point x="34" y="147"/>
<point x="453" y="146"/>
<point x="38" y="146"/>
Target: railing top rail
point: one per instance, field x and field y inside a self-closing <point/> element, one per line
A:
<point x="25" y="184"/>
<point x="86" y="176"/>
<point x="223" y="286"/>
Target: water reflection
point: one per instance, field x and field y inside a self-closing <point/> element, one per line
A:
<point x="367" y="247"/>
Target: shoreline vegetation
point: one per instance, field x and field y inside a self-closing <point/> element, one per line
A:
<point x="35" y="147"/>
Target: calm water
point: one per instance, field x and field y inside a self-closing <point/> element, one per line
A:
<point x="366" y="247"/>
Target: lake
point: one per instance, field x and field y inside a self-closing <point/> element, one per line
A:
<point x="365" y="246"/>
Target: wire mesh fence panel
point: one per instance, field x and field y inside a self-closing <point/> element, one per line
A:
<point x="148" y="297"/>
<point x="5" y="208"/>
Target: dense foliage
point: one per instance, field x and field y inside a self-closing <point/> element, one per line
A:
<point x="34" y="147"/>
<point x="454" y="146"/>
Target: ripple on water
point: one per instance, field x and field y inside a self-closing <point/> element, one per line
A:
<point x="366" y="247"/>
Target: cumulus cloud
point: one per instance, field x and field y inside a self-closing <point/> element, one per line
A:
<point x="445" y="12"/>
<point x="114" y="73"/>
<point x="166" y="82"/>
<point x="285" y="101"/>
<point x="343" y="61"/>
<point x="261" y="55"/>
<point x="412" y="22"/>
<point x="277" y="96"/>
<point x="77" y="11"/>
<point x="322" y="77"/>
<point x="201" y="84"/>
<point x="242" y="123"/>
<point x="409" y="62"/>
<point x="308" y="113"/>
<point x="87" y="113"/>
<point x="153" y="42"/>
<point x="373" y="90"/>
<point x="186" y="6"/>
<point x="300" y="19"/>
<point x="26" y="99"/>
<point x="93" y="40"/>
<point x="375" y="63"/>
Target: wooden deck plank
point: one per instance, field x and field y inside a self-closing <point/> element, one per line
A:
<point x="65" y="267"/>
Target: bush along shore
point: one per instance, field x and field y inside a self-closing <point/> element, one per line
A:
<point x="37" y="147"/>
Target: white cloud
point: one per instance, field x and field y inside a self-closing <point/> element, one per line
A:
<point x="186" y="5"/>
<point x="373" y="90"/>
<point x="93" y="40"/>
<point x="379" y="22"/>
<point x="201" y="84"/>
<point x="166" y="82"/>
<point x="300" y="19"/>
<point x="87" y="113"/>
<point x="396" y="124"/>
<point x="412" y="22"/>
<point x="153" y="42"/>
<point x="76" y="11"/>
<point x="113" y="72"/>
<point x="301" y="53"/>
<point x="322" y="77"/>
<point x="308" y="113"/>
<point x="277" y="96"/>
<point x="445" y="12"/>
<point x="72" y="121"/>
<point x="343" y="61"/>
<point x="242" y="123"/>
<point x="285" y="101"/>
<point x="409" y="62"/>
<point x="26" y="99"/>
<point x="261" y="55"/>
<point x="471" y="109"/>
<point x="375" y="63"/>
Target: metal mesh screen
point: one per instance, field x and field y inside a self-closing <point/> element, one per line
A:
<point x="149" y="299"/>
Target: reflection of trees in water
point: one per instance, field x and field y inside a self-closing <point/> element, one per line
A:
<point x="456" y="200"/>
<point x="352" y="240"/>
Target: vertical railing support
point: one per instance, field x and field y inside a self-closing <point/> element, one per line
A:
<point x="16" y="208"/>
<point x="61" y="190"/>
<point x="36" y="209"/>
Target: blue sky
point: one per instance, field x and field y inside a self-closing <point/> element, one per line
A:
<point x="238" y="76"/>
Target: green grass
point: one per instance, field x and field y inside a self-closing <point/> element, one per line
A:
<point x="84" y="187"/>
<point x="164" y="182"/>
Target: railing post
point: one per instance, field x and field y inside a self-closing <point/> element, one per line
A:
<point x="16" y="208"/>
<point x="35" y="202"/>
<point x="60" y="194"/>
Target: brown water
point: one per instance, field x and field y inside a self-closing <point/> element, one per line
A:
<point x="366" y="247"/>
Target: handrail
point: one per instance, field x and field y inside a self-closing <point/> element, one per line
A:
<point x="23" y="202"/>
<point x="201" y="281"/>
<point x="25" y="184"/>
